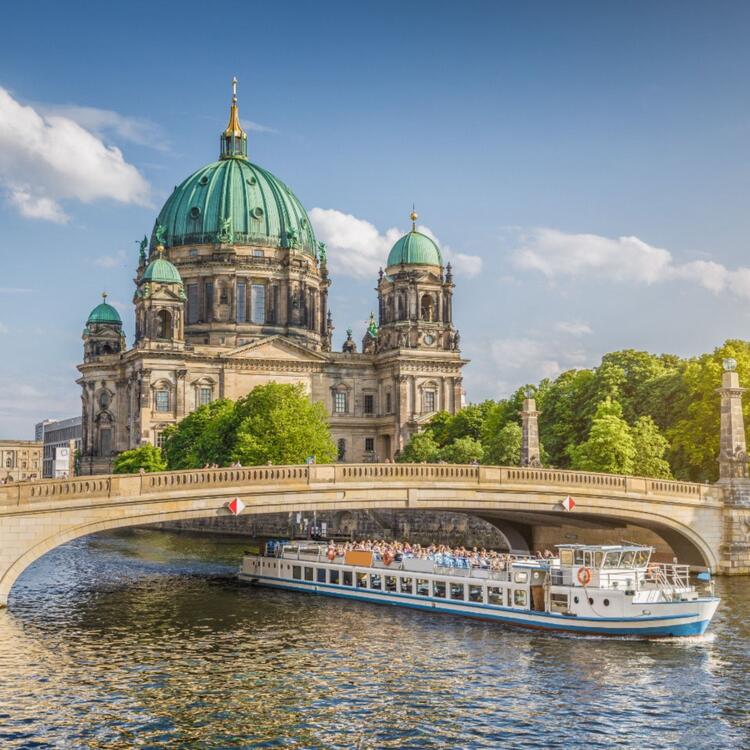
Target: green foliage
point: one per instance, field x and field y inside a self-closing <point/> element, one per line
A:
<point x="609" y="446"/>
<point x="274" y="423"/>
<point x="464" y="450"/>
<point x="422" y="448"/>
<point x="650" y="449"/>
<point x="277" y="423"/>
<point x="147" y="457"/>
<point x="503" y="447"/>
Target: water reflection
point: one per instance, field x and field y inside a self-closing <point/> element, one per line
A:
<point x="143" y="639"/>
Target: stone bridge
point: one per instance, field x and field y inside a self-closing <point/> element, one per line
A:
<point x="694" y="519"/>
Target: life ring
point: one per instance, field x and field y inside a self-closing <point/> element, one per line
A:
<point x="388" y="558"/>
<point x="331" y="554"/>
<point x="584" y="576"/>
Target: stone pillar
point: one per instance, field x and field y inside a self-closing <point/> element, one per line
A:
<point x="732" y="446"/>
<point x="530" y="453"/>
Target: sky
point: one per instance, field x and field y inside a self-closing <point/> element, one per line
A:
<point x="584" y="165"/>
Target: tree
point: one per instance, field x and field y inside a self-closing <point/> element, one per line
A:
<point x="503" y="448"/>
<point x="147" y="457"/>
<point x="422" y="448"/>
<point x="204" y="437"/>
<point x="439" y="426"/>
<point x="650" y="447"/>
<point x="609" y="447"/>
<point x="464" y="450"/>
<point x="277" y="423"/>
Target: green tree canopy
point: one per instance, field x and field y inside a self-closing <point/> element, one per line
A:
<point x="464" y="450"/>
<point x="609" y="446"/>
<point x="421" y="448"/>
<point x="146" y="457"/>
<point x="206" y="436"/>
<point x="650" y="449"/>
<point x="503" y="448"/>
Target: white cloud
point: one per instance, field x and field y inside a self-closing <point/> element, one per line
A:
<point x="574" y="328"/>
<point x="4" y="328"/>
<point x="46" y="160"/>
<point x="356" y="247"/>
<point x="14" y="290"/>
<point x="624" y="259"/>
<point x="105" y="121"/>
<point x="111" y="261"/>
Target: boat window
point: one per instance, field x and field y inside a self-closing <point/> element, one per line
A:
<point x="297" y="572"/>
<point x="519" y="598"/>
<point x="627" y="559"/>
<point x="612" y="560"/>
<point x="579" y="557"/>
<point x="457" y="591"/>
<point x="438" y="589"/>
<point x="333" y="576"/>
<point x="588" y="556"/>
<point x="390" y="583"/>
<point x="308" y="574"/>
<point x="598" y="559"/>
<point x="558" y="602"/>
<point x="495" y="595"/>
<point x="641" y="558"/>
<point x="362" y="580"/>
<point x="321" y="575"/>
<point x="521" y="576"/>
<point x="423" y="587"/>
<point x="566" y="557"/>
<point x="475" y="594"/>
<point x="347" y="577"/>
<point x="405" y="584"/>
<point x="375" y="582"/>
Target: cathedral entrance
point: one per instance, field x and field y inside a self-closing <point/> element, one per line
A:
<point x="386" y="451"/>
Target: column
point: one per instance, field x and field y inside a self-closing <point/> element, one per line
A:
<point x="530" y="454"/>
<point x="732" y="446"/>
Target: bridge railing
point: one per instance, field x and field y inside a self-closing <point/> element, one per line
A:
<point x="199" y="479"/>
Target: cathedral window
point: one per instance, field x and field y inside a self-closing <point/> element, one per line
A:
<point x="257" y="253"/>
<point x="163" y="325"/>
<point x="369" y="445"/>
<point x="208" y="301"/>
<point x="241" y="302"/>
<point x="161" y="400"/>
<point x="193" y="310"/>
<point x="429" y="401"/>
<point x="339" y="402"/>
<point x="258" y="303"/>
<point x="428" y="308"/>
<point x="160" y="439"/>
<point x="369" y="403"/>
<point x="205" y="395"/>
<point x="388" y="405"/>
<point x="341" y="449"/>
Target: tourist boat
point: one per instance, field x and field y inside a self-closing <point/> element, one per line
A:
<point x="613" y="590"/>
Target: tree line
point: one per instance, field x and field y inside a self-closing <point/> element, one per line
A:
<point x="636" y="413"/>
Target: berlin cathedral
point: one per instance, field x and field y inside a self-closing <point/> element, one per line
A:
<point x="231" y="291"/>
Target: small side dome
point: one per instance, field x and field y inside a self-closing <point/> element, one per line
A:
<point x="415" y="248"/>
<point x="104" y="314"/>
<point x="161" y="271"/>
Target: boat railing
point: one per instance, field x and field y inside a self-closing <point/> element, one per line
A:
<point x="668" y="576"/>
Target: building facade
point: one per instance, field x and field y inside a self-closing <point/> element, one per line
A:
<point x="20" y="460"/>
<point x="60" y="438"/>
<point x="232" y="292"/>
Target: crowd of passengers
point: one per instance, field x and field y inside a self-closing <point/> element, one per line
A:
<point x="440" y="554"/>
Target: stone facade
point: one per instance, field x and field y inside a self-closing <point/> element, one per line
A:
<point x="20" y="460"/>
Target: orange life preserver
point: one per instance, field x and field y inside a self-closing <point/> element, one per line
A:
<point x="387" y="558"/>
<point x="331" y="554"/>
<point x="584" y="576"/>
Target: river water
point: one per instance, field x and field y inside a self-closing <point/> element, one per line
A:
<point x="143" y="639"/>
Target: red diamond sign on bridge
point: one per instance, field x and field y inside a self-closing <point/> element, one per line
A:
<point x="569" y="503"/>
<point x="236" y="506"/>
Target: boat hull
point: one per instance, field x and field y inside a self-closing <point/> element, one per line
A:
<point x="693" y="621"/>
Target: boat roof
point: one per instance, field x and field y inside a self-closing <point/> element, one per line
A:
<point x="606" y="547"/>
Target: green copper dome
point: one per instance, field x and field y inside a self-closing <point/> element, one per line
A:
<point x="415" y="248"/>
<point x="161" y="271"/>
<point x="104" y="313"/>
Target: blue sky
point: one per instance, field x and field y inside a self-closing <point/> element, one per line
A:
<point x="586" y="165"/>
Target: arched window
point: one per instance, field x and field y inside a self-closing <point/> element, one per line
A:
<point x="427" y="307"/>
<point x="163" y="325"/>
<point x="401" y="307"/>
<point x="161" y="400"/>
<point x="341" y="449"/>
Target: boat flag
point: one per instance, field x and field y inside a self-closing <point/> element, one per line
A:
<point x="236" y="506"/>
<point x="569" y="503"/>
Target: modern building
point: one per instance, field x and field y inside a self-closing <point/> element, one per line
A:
<point x="20" y="460"/>
<point x="232" y="292"/>
<point x="61" y="439"/>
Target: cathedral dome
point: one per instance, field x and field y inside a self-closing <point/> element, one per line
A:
<point x="161" y="271"/>
<point x="235" y="202"/>
<point x="104" y="313"/>
<point x="415" y="248"/>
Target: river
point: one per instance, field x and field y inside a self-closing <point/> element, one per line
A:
<point x="143" y="639"/>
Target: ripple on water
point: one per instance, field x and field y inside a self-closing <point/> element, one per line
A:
<point x="144" y="639"/>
